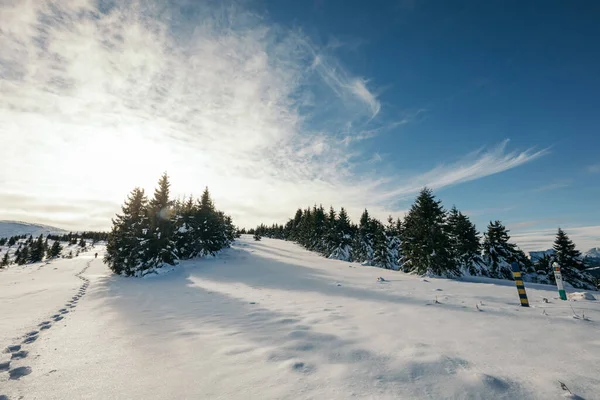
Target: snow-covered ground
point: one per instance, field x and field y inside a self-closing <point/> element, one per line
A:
<point x="269" y="320"/>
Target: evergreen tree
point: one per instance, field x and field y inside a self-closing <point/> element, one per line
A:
<point x="382" y="254"/>
<point x="127" y="247"/>
<point x="341" y="240"/>
<point x="37" y="250"/>
<point x="12" y="241"/>
<point x="55" y="249"/>
<point x="363" y="243"/>
<point x="82" y="243"/>
<point x="23" y="256"/>
<point x="571" y="263"/>
<point x="567" y="256"/>
<point x="5" y="260"/>
<point x="464" y="242"/>
<point x="498" y="253"/>
<point x="161" y="244"/>
<point x="257" y="236"/>
<point x="425" y="239"/>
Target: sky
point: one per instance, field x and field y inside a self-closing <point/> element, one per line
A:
<point x="276" y="105"/>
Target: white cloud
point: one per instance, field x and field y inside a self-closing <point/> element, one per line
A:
<point x="95" y="102"/>
<point x="594" y="169"/>
<point x="476" y="165"/>
<point x="584" y="237"/>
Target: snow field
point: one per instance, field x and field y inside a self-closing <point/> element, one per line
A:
<point x="269" y="320"/>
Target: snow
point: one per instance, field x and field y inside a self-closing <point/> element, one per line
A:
<point x="269" y="320"/>
<point x="13" y="228"/>
<point x="581" y="296"/>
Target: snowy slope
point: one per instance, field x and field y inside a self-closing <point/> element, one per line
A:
<point x="269" y="320"/>
<point x="592" y="253"/>
<point x="13" y="228"/>
<point x="537" y="255"/>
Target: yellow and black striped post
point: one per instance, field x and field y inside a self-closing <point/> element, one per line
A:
<point x="520" y="286"/>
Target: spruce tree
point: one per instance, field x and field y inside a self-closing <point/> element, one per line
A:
<point x="127" y="247"/>
<point x="12" y="241"/>
<point x="341" y="240"/>
<point x="5" y="260"/>
<point x="23" y="256"/>
<point x="464" y="241"/>
<point x="257" y="237"/>
<point x="37" y="251"/>
<point x="424" y="238"/>
<point x="55" y="249"/>
<point x="382" y="256"/>
<point x="498" y="253"/>
<point x="571" y="263"/>
<point x="565" y="253"/>
<point x="161" y="245"/>
<point x="363" y="243"/>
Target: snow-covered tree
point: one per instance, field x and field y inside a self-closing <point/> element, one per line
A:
<point x="464" y="242"/>
<point x="127" y="248"/>
<point x="498" y="252"/>
<point x="162" y="244"/>
<point x="424" y="238"/>
<point x="571" y="263"/>
<point x="5" y="260"/>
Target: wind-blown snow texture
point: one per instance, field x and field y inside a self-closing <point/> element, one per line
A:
<point x="269" y="320"/>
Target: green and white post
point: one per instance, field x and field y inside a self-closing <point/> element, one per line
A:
<point x="559" y="281"/>
<point x="520" y="286"/>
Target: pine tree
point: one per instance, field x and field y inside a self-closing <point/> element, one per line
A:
<point x="341" y="240"/>
<point x="571" y="263"/>
<point x="464" y="242"/>
<point x="5" y="260"/>
<point x="382" y="256"/>
<point x="55" y="249"/>
<point x="567" y="256"/>
<point x="498" y="253"/>
<point x="37" y="251"/>
<point x="363" y="243"/>
<point x="127" y="248"/>
<point x="12" y="241"/>
<point x="161" y="245"/>
<point x="257" y="237"/>
<point x="425" y="239"/>
<point x="23" y="256"/>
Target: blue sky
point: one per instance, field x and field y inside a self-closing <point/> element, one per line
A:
<point x="478" y="73"/>
<point x="281" y="104"/>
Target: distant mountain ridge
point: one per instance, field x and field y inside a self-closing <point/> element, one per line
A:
<point x="592" y="253"/>
<point x="12" y="228"/>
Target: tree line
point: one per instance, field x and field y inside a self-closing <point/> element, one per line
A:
<point x="429" y="240"/>
<point x="30" y="250"/>
<point x="150" y="233"/>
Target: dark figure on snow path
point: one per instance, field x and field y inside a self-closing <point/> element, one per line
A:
<point x="96" y="255"/>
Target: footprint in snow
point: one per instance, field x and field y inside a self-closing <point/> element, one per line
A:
<point x="58" y="318"/>
<point x="3" y="396"/>
<point x="4" y="366"/>
<point x="64" y="311"/>
<point x="44" y="323"/>
<point x="13" y="348"/>
<point x="30" y="339"/>
<point x="18" y="373"/>
<point x="46" y="327"/>
<point x="19" y="355"/>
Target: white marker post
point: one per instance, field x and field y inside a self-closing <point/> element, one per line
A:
<point x="559" y="281"/>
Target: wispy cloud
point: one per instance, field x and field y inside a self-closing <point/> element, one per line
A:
<point x="552" y="186"/>
<point x="96" y="101"/>
<point x="594" y="168"/>
<point x="478" y="164"/>
<point x="585" y="237"/>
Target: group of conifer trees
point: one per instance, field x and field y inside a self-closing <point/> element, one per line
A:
<point x="151" y="233"/>
<point x="30" y="250"/>
<point x="430" y="240"/>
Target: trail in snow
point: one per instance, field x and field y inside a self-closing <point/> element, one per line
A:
<point x="269" y="320"/>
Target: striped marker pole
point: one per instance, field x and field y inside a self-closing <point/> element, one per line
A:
<point x="520" y="286"/>
<point x="559" y="281"/>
